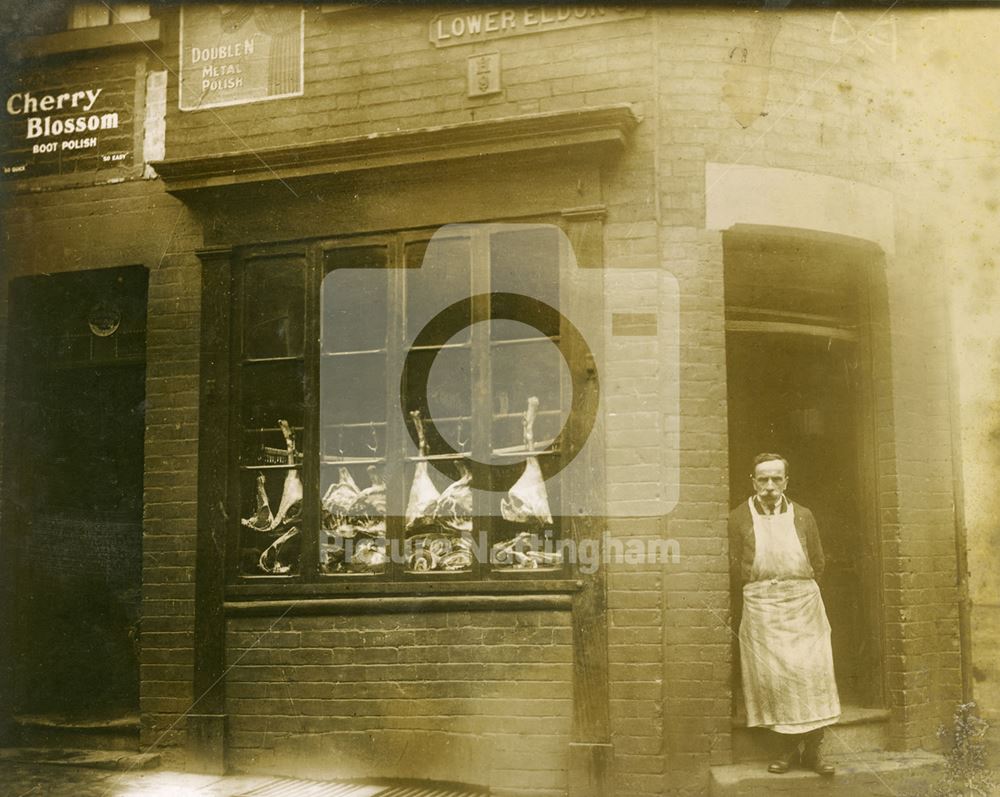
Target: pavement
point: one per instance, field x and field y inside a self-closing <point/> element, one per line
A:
<point x="21" y="778"/>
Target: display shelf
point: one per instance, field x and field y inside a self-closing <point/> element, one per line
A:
<point x="498" y="416"/>
<point x="331" y="460"/>
<point x="443" y="346"/>
<point x="277" y="359"/>
<point x="521" y="451"/>
<point x="438" y="457"/>
<point x="521" y="341"/>
<point x="352" y="352"/>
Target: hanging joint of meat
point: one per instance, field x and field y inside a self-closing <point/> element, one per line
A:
<point x="290" y="505"/>
<point x="438" y="518"/>
<point x="527" y="504"/>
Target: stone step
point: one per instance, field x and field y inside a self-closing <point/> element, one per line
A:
<point x="859" y="730"/>
<point x="91" y="759"/>
<point x="55" y="731"/>
<point x="870" y="774"/>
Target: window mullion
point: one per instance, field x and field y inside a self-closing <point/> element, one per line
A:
<point x="235" y="421"/>
<point x="309" y="532"/>
<point x="482" y="405"/>
<point x="396" y="438"/>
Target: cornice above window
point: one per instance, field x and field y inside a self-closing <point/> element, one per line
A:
<point x="93" y="38"/>
<point x="598" y="131"/>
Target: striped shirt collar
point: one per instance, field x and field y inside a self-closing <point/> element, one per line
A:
<point x="781" y="508"/>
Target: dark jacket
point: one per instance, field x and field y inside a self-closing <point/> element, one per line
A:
<point x="742" y="544"/>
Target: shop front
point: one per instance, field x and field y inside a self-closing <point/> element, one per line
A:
<point x="454" y="338"/>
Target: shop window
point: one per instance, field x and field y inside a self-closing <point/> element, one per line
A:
<point x="358" y="424"/>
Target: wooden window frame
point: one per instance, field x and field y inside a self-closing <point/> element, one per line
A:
<point x="308" y="580"/>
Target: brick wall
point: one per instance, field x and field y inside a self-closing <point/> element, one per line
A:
<point x="126" y="224"/>
<point x="921" y="596"/>
<point x="373" y="70"/>
<point x="482" y="698"/>
<point x="170" y="508"/>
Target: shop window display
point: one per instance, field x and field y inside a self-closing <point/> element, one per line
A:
<point x="346" y="469"/>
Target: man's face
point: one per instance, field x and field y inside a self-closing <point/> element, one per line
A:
<point x="769" y="481"/>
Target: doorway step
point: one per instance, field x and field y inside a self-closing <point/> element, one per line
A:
<point x="860" y="730"/>
<point x="58" y="730"/>
<point x="857" y="745"/>
<point x="117" y="760"/>
<point x="874" y="774"/>
<point x="108" y="743"/>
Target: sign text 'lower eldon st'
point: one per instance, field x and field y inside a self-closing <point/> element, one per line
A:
<point x="474" y="25"/>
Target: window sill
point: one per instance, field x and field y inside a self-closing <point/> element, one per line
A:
<point x="323" y="599"/>
<point x="82" y="39"/>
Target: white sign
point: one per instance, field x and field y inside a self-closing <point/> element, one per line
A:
<point x="476" y="25"/>
<point x="236" y="54"/>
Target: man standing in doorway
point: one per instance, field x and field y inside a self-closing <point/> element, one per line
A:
<point x="786" y="658"/>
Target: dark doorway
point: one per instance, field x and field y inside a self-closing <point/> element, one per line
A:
<point x="73" y="511"/>
<point x="797" y="376"/>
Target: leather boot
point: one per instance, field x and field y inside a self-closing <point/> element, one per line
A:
<point x="789" y="754"/>
<point x="812" y="755"/>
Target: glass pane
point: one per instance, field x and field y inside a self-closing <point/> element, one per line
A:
<point x="353" y="441"/>
<point x="525" y="536"/>
<point x="525" y="261"/>
<point x="519" y="371"/>
<point x="272" y="392"/>
<point x="352" y="389"/>
<point x="352" y="511"/>
<point x="270" y="521"/>
<point x="449" y="396"/>
<point x="439" y="273"/>
<point x="354" y="314"/>
<point x="274" y="305"/>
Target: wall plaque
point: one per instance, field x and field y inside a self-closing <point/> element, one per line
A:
<point x="237" y="54"/>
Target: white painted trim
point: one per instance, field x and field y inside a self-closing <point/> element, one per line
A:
<point x="759" y="195"/>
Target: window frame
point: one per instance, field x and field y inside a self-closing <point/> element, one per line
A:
<point x="308" y="579"/>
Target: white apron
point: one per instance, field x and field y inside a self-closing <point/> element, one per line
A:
<point x="786" y="658"/>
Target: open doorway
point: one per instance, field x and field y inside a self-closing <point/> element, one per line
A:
<point x="798" y="376"/>
<point x="73" y="504"/>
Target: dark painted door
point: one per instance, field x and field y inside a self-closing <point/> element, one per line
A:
<point x="74" y="464"/>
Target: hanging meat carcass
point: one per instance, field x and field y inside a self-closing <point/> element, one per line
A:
<point x="527" y="504"/>
<point x="423" y="494"/>
<point x="262" y="518"/>
<point x="281" y="555"/>
<point x="438" y="518"/>
<point x="290" y="505"/>
<point x="337" y="502"/>
<point x="453" y="511"/>
<point x="369" y="507"/>
<point x="349" y="512"/>
<point x="528" y="501"/>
